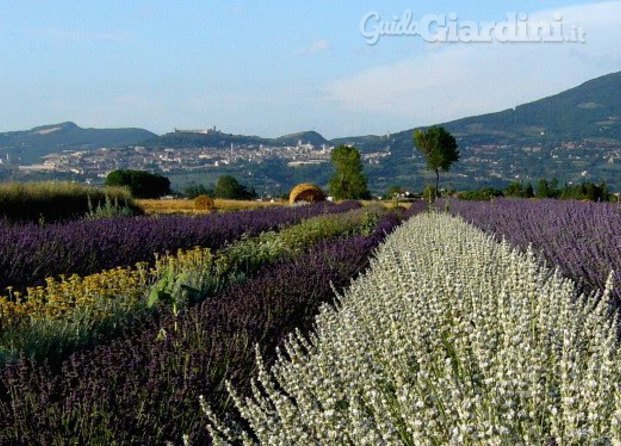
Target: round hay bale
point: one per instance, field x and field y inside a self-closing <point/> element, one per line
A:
<point x="204" y="203"/>
<point x="307" y="192"/>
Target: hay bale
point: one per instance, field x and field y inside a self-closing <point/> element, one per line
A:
<point x="307" y="192"/>
<point x="204" y="203"/>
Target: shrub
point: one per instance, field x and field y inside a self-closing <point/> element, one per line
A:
<point x="142" y="388"/>
<point x="519" y="190"/>
<point x="429" y="194"/>
<point x="450" y="338"/>
<point x="56" y="201"/>
<point x="141" y="184"/>
<point x="486" y="193"/>
<point x="204" y="203"/>
<point x="109" y="209"/>
<point x="76" y="311"/>
<point x="582" y="239"/>
<point x="228" y="187"/>
<point x="31" y="253"/>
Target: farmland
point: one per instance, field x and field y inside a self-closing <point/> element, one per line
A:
<point x="185" y="206"/>
<point x="464" y="323"/>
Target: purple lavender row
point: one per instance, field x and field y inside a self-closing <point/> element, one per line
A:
<point x="143" y="389"/>
<point x="583" y="239"/>
<point x="29" y="253"/>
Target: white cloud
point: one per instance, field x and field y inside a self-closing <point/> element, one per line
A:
<point x="458" y="80"/>
<point x="316" y="47"/>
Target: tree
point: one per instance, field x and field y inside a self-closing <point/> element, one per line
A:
<point x="439" y="148"/>
<point x="141" y="184"/>
<point x="195" y="190"/>
<point x="228" y="187"/>
<point x="519" y="190"/>
<point x="548" y="190"/>
<point x="348" y="181"/>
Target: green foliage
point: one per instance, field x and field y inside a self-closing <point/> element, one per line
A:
<point x="429" y="194"/>
<point x="583" y="191"/>
<point x="396" y="191"/>
<point x="194" y="190"/>
<point x="547" y="189"/>
<point x="141" y="184"/>
<point x="110" y="208"/>
<point x="236" y="261"/>
<point x="439" y="148"/>
<point x="586" y="191"/>
<point x="486" y="193"/>
<point x="349" y="180"/>
<point x="55" y="201"/>
<point x="229" y="188"/>
<point x="519" y="190"/>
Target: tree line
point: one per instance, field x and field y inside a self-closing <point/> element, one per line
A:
<point x="544" y="189"/>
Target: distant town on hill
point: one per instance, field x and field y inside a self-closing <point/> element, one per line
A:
<point x="574" y="136"/>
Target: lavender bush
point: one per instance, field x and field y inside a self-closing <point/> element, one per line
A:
<point x="30" y="253"/>
<point x="582" y="239"/>
<point x="450" y="338"/>
<point x="142" y="389"/>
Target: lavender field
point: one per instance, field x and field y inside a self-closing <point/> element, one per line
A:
<point x="449" y="338"/>
<point x="582" y="239"/>
<point x="244" y="338"/>
<point x="30" y="253"/>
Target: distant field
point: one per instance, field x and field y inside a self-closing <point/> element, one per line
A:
<point x="52" y="201"/>
<point x="389" y="204"/>
<point x="182" y="206"/>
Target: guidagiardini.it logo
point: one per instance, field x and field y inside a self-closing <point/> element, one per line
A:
<point x="449" y="28"/>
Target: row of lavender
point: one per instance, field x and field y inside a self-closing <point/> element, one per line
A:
<point x="143" y="387"/>
<point x="450" y="339"/>
<point x="582" y="239"/>
<point x="30" y="253"/>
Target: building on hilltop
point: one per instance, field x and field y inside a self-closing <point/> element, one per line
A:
<point x="199" y="131"/>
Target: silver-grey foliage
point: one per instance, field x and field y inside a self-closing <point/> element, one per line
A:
<point x="450" y="338"/>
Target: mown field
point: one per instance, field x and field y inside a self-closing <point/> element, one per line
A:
<point x="467" y="323"/>
<point x="186" y="206"/>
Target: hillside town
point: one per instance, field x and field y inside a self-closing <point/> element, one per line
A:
<point x="99" y="162"/>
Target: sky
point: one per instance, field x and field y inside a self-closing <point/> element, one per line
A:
<point x="274" y="67"/>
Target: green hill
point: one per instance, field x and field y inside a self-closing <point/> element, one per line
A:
<point x="591" y="111"/>
<point x="213" y="138"/>
<point x="310" y="137"/>
<point x="30" y="145"/>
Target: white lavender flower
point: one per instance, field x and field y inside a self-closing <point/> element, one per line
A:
<point x="449" y="338"/>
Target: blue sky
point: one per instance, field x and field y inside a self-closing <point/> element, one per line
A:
<point x="274" y="67"/>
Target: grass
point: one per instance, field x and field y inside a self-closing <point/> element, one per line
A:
<point x="52" y="200"/>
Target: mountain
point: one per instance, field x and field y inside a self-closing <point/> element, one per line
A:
<point x="591" y="111"/>
<point x="574" y="135"/>
<point x="30" y="145"/>
<point x="215" y="138"/>
<point x="202" y="138"/>
<point x="310" y="137"/>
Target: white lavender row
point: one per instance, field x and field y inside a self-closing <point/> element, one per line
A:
<point x="450" y="338"/>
